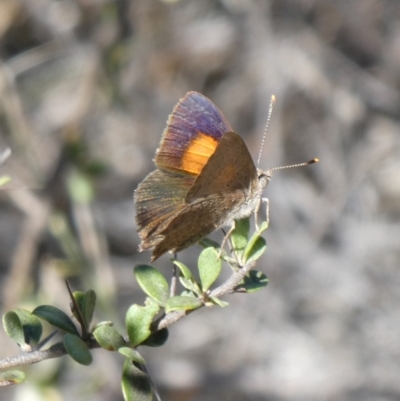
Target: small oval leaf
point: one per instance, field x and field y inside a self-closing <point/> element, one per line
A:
<point x="77" y="349"/>
<point x="190" y="285"/>
<point x="263" y="227"/>
<point x="56" y="318"/>
<point x="136" y="384"/>
<point x="88" y="306"/>
<point x="11" y="377"/>
<point x="255" y="249"/>
<point x="13" y="327"/>
<point x="86" y="302"/>
<point x="78" y="296"/>
<point x="104" y="323"/>
<point x="207" y="243"/>
<point x="153" y="283"/>
<point x="219" y="302"/>
<point x="156" y="339"/>
<point x="209" y="265"/>
<point x="254" y="281"/>
<point x="108" y="338"/>
<point x="31" y="325"/>
<point x="132" y="354"/>
<point x="184" y="269"/>
<point x="182" y="303"/>
<point x="240" y="235"/>
<point x="138" y="320"/>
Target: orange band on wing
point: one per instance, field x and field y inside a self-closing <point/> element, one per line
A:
<point x="197" y="153"/>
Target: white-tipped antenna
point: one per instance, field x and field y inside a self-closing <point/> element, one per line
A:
<point x="316" y="160"/>
<point x="271" y="107"/>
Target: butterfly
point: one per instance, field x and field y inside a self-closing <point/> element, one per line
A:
<point x="205" y="179"/>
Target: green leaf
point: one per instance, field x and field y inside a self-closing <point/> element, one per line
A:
<point x="108" y="338"/>
<point x="186" y="293"/>
<point x="77" y="349"/>
<point x="136" y="384"/>
<point x="240" y="235"/>
<point x="153" y="283"/>
<point x="11" y="377"/>
<point x="182" y="303"/>
<point x="219" y="302"/>
<point x="253" y="282"/>
<point x="209" y="243"/>
<point x="132" y="354"/>
<point x="21" y="326"/>
<point x="56" y="318"/>
<point x="31" y="324"/>
<point x="255" y="249"/>
<point x="88" y="305"/>
<point x="209" y="267"/>
<point x="104" y="323"/>
<point x="263" y="227"/>
<point x="184" y="269"/>
<point x="13" y="327"/>
<point x="190" y="285"/>
<point x="138" y="320"/>
<point x="156" y="339"/>
<point x="78" y="296"/>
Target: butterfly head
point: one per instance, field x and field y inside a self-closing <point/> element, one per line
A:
<point x="264" y="177"/>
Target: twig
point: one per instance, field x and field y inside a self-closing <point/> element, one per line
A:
<point x="226" y="288"/>
<point x="58" y="350"/>
<point x="28" y="358"/>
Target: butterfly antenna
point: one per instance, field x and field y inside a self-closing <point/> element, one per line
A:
<point x="271" y="107"/>
<point x="316" y="160"/>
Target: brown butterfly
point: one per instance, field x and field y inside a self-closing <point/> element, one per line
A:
<point x="205" y="179"/>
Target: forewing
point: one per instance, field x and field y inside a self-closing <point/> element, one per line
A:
<point x="228" y="169"/>
<point x="193" y="131"/>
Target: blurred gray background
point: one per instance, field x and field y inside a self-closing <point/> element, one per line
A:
<point x="86" y="87"/>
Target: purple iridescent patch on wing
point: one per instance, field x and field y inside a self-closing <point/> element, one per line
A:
<point x="194" y="118"/>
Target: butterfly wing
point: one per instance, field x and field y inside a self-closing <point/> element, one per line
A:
<point x="193" y="223"/>
<point x="158" y="198"/>
<point x="193" y="132"/>
<point x="228" y="169"/>
<point x="214" y="198"/>
<point x="204" y="174"/>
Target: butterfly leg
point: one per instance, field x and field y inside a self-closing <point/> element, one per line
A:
<point x="226" y="237"/>
<point x="257" y="208"/>
<point x="174" y="278"/>
<point x="266" y="201"/>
